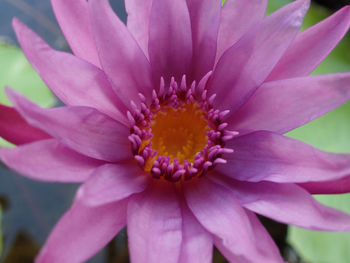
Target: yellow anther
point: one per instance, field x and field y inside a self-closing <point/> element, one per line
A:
<point x="179" y="133"/>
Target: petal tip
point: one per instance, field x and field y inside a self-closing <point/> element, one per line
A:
<point x="18" y="26"/>
<point x="11" y="94"/>
<point x="16" y="22"/>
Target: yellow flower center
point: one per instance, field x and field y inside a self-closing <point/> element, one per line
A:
<point x="179" y="133"/>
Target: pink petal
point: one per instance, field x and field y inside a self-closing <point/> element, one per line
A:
<point x="82" y="129"/>
<point x="219" y="212"/>
<point x="73" y="80"/>
<point x="237" y="17"/>
<point x="340" y="186"/>
<point x="265" y="241"/>
<point x="73" y="17"/>
<point x="138" y="21"/>
<point x="15" y="129"/>
<point x="295" y="102"/>
<point x="121" y="58"/>
<point x="155" y="225"/>
<point x="82" y="232"/>
<point x="272" y="157"/>
<point x="205" y="21"/>
<point x="197" y="243"/>
<point x="113" y="182"/>
<point x="312" y="46"/>
<point x="290" y="204"/>
<point x="49" y="160"/>
<point x="245" y="65"/>
<point x="170" y="39"/>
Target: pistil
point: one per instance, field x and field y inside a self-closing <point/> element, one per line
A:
<point x="179" y="135"/>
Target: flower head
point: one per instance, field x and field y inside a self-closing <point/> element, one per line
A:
<point x="174" y="125"/>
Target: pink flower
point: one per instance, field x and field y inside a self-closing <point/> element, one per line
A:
<point x="174" y="125"/>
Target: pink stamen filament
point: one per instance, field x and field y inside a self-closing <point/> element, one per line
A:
<point x="178" y="100"/>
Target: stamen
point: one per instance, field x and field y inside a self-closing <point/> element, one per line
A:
<point x="179" y="135"/>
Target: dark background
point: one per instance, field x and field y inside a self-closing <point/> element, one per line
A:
<point x="333" y="4"/>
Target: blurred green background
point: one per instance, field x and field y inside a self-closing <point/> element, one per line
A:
<point x="30" y="209"/>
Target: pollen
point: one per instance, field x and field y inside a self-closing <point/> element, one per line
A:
<point x="179" y="135"/>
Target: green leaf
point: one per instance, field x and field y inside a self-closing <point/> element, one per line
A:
<point x="330" y="133"/>
<point x="17" y="73"/>
<point x="273" y="5"/>
<point x="5" y="143"/>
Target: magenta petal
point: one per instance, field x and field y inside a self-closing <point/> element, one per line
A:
<point x="266" y="244"/>
<point x="197" y="243"/>
<point x="82" y="129"/>
<point x="237" y="17"/>
<point x="138" y="21"/>
<point x="49" y="160"/>
<point x="82" y="232"/>
<point x="272" y="157"/>
<point x="73" y="17"/>
<point x="290" y="204"/>
<point x="205" y="21"/>
<point x="219" y="212"/>
<point x="59" y="70"/>
<point x="170" y="39"/>
<point x="113" y="182"/>
<point x="340" y="186"/>
<point x="245" y="65"/>
<point x="295" y="102"/>
<point x="312" y="46"/>
<point x="121" y="58"/>
<point x="15" y="129"/>
<point x="155" y="225"/>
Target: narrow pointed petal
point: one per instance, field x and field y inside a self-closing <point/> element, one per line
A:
<point x="340" y="186"/>
<point x="138" y="21"/>
<point x="197" y="243"/>
<point x="74" y="81"/>
<point x="266" y="243"/>
<point x="245" y="65"/>
<point x="14" y="129"/>
<point x="121" y="57"/>
<point x="113" y="182"/>
<point x="73" y="18"/>
<point x="312" y="46"/>
<point x="237" y="17"/>
<point x="155" y="225"/>
<point x="49" y="160"/>
<point x="272" y="157"/>
<point x="205" y="21"/>
<point x="290" y="204"/>
<point x="170" y="39"/>
<point x="219" y="212"/>
<point x="82" y="232"/>
<point x="295" y="102"/>
<point x="82" y="129"/>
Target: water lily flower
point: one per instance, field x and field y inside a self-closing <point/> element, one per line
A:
<point x="174" y="125"/>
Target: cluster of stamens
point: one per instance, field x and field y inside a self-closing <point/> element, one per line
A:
<point x="179" y="113"/>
